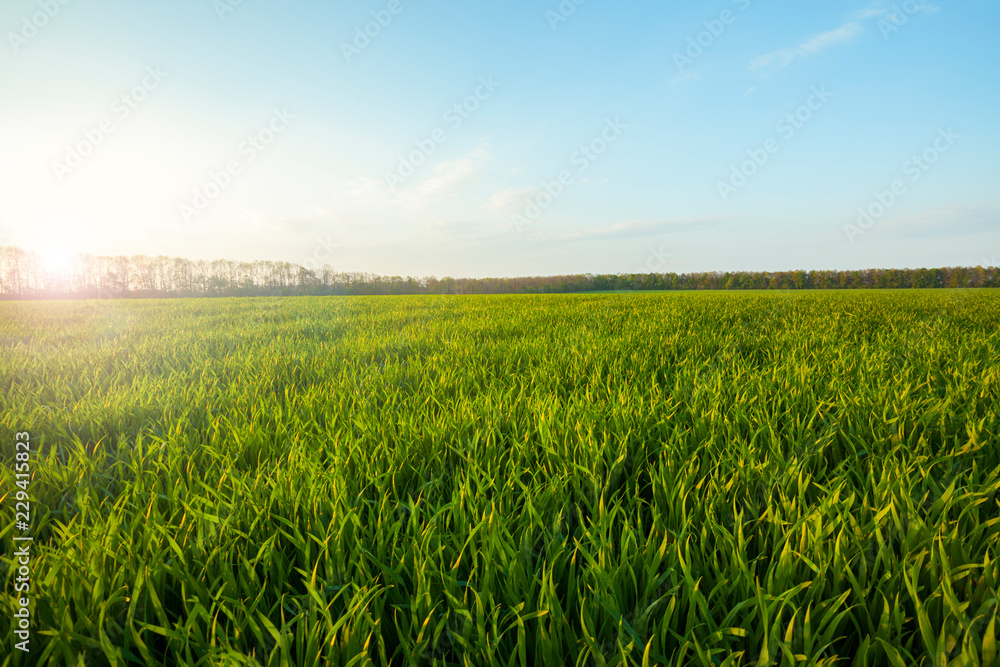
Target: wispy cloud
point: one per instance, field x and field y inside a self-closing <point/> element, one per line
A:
<point x="685" y="75"/>
<point x="880" y="10"/>
<point x="365" y="189"/>
<point x="510" y="200"/>
<point x="633" y="228"/>
<point x="870" y="12"/>
<point x="811" y="46"/>
<point x="453" y="228"/>
<point x="949" y="221"/>
<point x="844" y="33"/>
<point x="895" y="17"/>
<point x="449" y="179"/>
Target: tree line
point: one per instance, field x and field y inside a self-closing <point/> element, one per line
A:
<point x="23" y="275"/>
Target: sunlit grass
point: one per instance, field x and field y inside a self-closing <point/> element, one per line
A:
<point x="682" y="479"/>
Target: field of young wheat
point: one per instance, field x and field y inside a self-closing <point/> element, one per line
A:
<point x="644" y="479"/>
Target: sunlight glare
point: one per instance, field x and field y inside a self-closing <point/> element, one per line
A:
<point x="58" y="260"/>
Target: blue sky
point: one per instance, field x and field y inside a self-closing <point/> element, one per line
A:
<point x="504" y="139"/>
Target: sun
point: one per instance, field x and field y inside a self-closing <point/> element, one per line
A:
<point x="58" y="260"/>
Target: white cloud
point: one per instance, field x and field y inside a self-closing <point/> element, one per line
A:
<point x="510" y="200"/>
<point x="879" y="10"/>
<point x="464" y="229"/>
<point x="844" y="33"/>
<point x="778" y="58"/>
<point x="634" y="228"/>
<point x="450" y="179"/>
<point x="896" y="18"/>
<point x="685" y="75"/>
<point x="948" y="221"/>
<point x="869" y="12"/>
<point x="812" y="46"/>
<point x="364" y="187"/>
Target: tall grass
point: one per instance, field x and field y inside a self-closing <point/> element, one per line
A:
<point x="685" y="479"/>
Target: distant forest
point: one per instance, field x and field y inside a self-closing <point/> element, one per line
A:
<point x="24" y="276"/>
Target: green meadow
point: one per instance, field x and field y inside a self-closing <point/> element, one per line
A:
<point x="592" y="480"/>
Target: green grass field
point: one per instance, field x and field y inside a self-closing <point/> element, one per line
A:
<point x="682" y="479"/>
